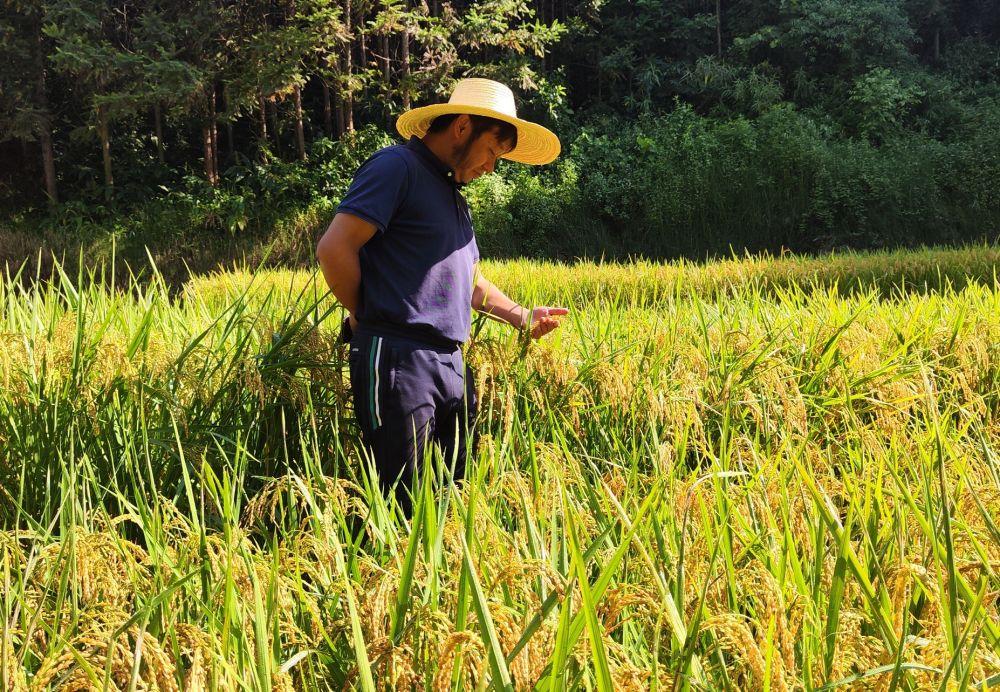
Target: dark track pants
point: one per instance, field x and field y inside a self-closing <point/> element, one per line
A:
<point x="407" y="394"/>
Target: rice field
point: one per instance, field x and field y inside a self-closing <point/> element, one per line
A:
<point x="761" y="473"/>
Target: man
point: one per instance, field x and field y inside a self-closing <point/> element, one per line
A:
<point x="401" y="257"/>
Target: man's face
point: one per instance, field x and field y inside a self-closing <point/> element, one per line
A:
<point x="472" y="158"/>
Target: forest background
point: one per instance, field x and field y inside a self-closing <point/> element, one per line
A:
<point x="194" y="132"/>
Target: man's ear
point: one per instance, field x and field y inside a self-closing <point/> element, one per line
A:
<point x="461" y="125"/>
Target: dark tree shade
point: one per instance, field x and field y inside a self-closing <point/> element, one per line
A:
<point x="203" y="84"/>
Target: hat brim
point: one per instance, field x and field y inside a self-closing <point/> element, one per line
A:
<point x="536" y="145"/>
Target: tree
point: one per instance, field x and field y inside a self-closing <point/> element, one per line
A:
<point x="165" y="80"/>
<point x="278" y="50"/>
<point x="204" y="37"/>
<point x="91" y="41"/>
<point x="642" y="52"/>
<point x="324" y="23"/>
<point x="24" y="110"/>
<point x="833" y="38"/>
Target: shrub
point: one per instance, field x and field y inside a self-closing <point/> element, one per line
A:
<point x="675" y="185"/>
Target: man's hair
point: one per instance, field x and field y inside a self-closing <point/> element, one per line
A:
<point x="506" y="132"/>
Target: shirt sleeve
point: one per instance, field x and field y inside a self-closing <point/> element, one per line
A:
<point x="378" y="189"/>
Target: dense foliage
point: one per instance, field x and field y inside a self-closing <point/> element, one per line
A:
<point x="689" y="127"/>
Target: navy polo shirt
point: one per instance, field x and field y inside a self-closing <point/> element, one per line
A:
<point x="418" y="270"/>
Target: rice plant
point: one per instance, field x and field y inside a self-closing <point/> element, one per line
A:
<point x="765" y="473"/>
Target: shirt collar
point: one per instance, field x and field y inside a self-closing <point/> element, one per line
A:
<point x="436" y="164"/>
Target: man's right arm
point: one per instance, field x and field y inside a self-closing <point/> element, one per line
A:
<point x="337" y="252"/>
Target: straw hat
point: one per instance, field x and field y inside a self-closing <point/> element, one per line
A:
<point x="535" y="144"/>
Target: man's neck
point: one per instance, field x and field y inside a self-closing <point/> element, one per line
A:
<point x="439" y="148"/>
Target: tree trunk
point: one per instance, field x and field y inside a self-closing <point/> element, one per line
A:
<point x="348" y="97"/>
<point x="214" y="120"/>
<point x="208" y="156"/>
<point x="362" y="43"/>
<point x="49" y="166"/>
<point x="349" y="112"/>
<point x="937" y="16"/>
<point x="338" y="98"/>
<point x="544" y="51"/>
<point x="158" y="133"/>
<point x="541" y="15"/>
<point x="338" y="106"/>
<point x="387" y="79"/>
<point x="386" y="64"/>
<point x="300" y="135"/>
<point x="405" y="60"/>
<point x="600" y="82"/>
<point x="102" y="130"/>
<point x="718" y="26"/>
<point x="262" y="124"/>
<point x="274" y="128"/>
<point x="45" y="127"/>
<point x="327" y="113"/>
<point x="230" y="143"/>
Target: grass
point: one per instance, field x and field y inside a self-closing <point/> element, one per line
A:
<point x="768" y="473"/>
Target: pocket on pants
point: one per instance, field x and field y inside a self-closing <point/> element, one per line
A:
<point x="393" y="368"/>
<point x="471" y="396"/>
<point x="359" y="387"/>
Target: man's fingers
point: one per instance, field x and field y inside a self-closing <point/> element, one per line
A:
<point x="543" y="326"/>
<point x="544" y="320"/>
<point x="546" y="312"/>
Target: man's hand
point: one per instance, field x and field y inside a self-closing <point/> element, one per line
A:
<point x="490" y="300"/>
<point x="347" y="328"/>
<point x="545" y="319"/>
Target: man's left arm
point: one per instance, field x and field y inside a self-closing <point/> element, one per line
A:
<point x="490" y="300"/>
